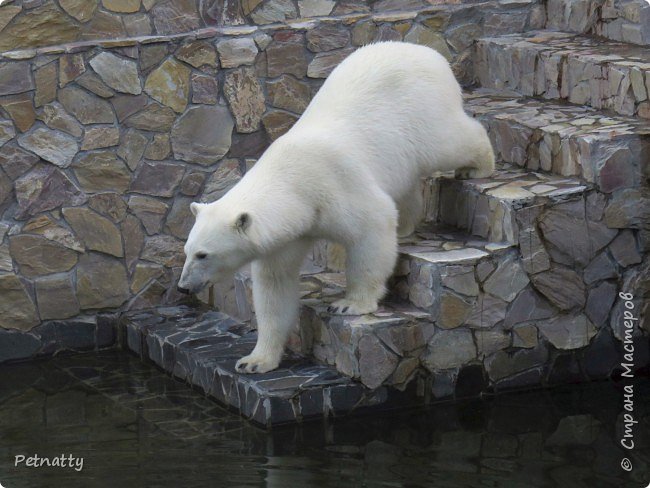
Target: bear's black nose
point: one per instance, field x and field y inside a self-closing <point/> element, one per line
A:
<point x="185" y="291"/>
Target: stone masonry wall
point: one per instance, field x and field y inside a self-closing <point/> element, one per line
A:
<point x="104" y="144"/>
<point x="34" y="23"/>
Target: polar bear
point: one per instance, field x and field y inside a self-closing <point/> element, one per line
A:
<point x="348" y="171"/>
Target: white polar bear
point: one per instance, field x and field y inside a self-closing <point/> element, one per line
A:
<point x="348" y="171"/>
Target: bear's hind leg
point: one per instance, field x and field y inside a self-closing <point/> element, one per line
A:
<point x="370" y="260"/>
<point x="410" y="212"/>
<point x="275" y="296"/>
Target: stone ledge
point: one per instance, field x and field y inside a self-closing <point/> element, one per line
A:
<point x="301" y="24"/>
<point x="573" y="141"/>
<point x="487" y="207"/>
<point x="202" y="348"/>
<point x="582" y="70"/>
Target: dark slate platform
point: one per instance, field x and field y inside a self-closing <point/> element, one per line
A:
<point x="202" y="348"/>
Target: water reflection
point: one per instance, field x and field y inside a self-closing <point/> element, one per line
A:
<point x="135" y="427"/>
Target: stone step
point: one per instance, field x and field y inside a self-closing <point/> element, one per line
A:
<point x="488" y="207"/>
<point x="556" y="65"/>
<point x="619" y="20"/>
<point x="610" y="151"/>
<point x="202" y="347"/>
<point x="442" y="282"/>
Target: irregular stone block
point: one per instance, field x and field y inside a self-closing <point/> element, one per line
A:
<point x="568" y="332"/>
<point x="100" y="137"/>
<point x="180" y="219"/>
<point x="236" y="52"/>
<point x="487" y="312"/>
<point x="197" y="54"/>
<point x="286" y="58"/>
<point x="504" y="364"/>
<point x="315" y="8"/>
<point x="528" y="306"/>
<point x="175" y="16"/>
<point x="132" y="148"/>
<point x="491" y="341"/>
<point x="629" y="208"/>
<point x="192" y="183"/>
<point x="562" y="286"/>
<point x="289" y="94"/>
<point x="157" y="179"/>
<point x="205" y="89"/>
<point x="220" y="181"/>
<point x="277" y="123"/>
<point x="246" y="99"/>
<point x="428" y="37"/>
<point x="87" y="108"/>
<point x="97" y="232"/>
<point x="45" y="25"/>
<point x="56" y="297"/>
<point x="165" y="250"/>
<point x="15" y="77"/>
<point x="525" y="336"/>
<point x="449" y="349"/>
<point x="508" y="280"/>
<point x="453" y="311"/>
<point x="202" y="134"/>
<point x="110" y="205"/>
<point x="102" y="171"/>
<point x="118" y="73"/>
<point x="376" y="363"/>
<point x="601" y="268"/>
<point x="38" y="256"/>
<point x="586" y="237"/>
<point x="82" y="10"/>
<point x="624" y="249"/>
<point x="46" y="84"/>
<point x="17" y="311"/>
<point x="274" y="11"/>
<point x="159" y="147"/>
<point x="101" y="282"/>
<point x="326" y="37"/>
<point x="122" y="6"/>
<point x="45" y="188"/>
<point x="51" y="145"/>
<point x="169" y="84"/>
<point x="150" y="211"/>
<point x="599" y="303"/>
<point x="21" y="110"/>
<point x="324" y="63"/>
<point x="55" y="117"/>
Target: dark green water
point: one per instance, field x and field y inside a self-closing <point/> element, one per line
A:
<point x="136" y="427"/>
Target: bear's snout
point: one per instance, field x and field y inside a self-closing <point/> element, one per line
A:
<point x="182" y="290"/>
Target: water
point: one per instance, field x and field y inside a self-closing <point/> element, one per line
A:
<point x="136" y="427"/>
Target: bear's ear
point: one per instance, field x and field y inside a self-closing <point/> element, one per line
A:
<point x="243" y="222"/>
<point x="195" y="207"/>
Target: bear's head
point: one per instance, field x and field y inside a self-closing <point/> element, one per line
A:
<point x="217" y="246"/>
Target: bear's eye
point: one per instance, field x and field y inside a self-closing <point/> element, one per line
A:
<point x="200" y="255"/>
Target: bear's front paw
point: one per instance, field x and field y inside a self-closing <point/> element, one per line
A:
<point x="254" y="363"/>
<point x="350" y="307"/>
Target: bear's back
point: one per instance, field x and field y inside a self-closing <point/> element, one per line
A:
<point x="383" y="75"/>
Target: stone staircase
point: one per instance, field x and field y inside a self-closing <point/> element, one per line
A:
<point x="511" y="282"/>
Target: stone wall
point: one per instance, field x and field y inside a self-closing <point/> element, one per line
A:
<point x="99" y="158"/>
<point x="34" y="23"/>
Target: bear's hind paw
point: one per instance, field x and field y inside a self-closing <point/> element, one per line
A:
<point x="349" y="307"/>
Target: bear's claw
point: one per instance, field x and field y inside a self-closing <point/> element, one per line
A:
<point x="347" y="307"/>
<point x="254" y="364"/>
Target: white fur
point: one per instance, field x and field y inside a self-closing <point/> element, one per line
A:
<point x="388" y="115"/>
